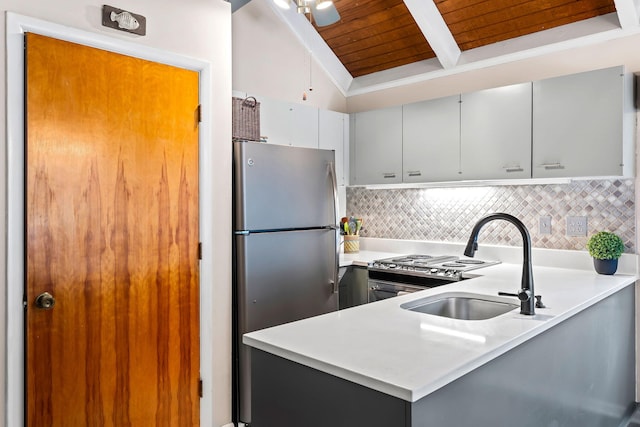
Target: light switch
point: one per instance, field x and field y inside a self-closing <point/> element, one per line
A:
<point x="545" y="225"/>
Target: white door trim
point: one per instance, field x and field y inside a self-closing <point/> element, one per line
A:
<point x="16" y="26"/>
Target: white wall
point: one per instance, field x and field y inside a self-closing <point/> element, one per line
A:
<point x="268" y="60"/>
<point x="199" y="29"/>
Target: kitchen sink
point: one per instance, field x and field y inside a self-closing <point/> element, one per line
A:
<point x="461" y="305"/>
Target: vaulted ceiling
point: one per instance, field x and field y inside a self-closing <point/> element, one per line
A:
<point x="376" y="35"/>
<point x="376" y="42"/>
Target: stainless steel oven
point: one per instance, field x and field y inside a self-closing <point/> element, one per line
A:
<point x="382" y="289"/>
<point x="400" y="275"/>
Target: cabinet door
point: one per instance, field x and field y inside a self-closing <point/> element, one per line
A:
<point x="378" y="146"/>
<point x="578" y="124"/>
<point x="354" y="289"/>
<point x="303" y="123"/>
<point x="496" y="133"/>
<point x="331" y="137"/>
<point x="286" y="123"/>
<point x="274" y="121"/>
<point x="431" y="140"/>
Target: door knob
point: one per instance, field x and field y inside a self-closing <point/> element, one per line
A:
<point x="45" y="301"/>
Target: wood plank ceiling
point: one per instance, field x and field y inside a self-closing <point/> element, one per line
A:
<point x="376" y="35"/>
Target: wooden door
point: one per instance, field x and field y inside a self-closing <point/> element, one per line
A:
<point x="112" y="235"/>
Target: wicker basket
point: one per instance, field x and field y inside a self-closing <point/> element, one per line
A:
<point x="246" y="119"/>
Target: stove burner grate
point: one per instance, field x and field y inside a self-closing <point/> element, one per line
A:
<point x="470" y="261"/>
<point x="405" y="259"/>
<point x="412" y="258"/>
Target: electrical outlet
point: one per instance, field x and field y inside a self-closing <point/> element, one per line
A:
<point x="576" y="226"/>
<point x="545" y="225"/>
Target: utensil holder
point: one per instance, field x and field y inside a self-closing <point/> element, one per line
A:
<point x="351" y="244"/>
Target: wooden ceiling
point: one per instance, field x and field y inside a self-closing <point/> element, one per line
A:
<point x="376" y="35"/>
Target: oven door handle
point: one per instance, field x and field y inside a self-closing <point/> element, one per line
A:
<point x="386" y="292"/>
<point x="389" y="291"/>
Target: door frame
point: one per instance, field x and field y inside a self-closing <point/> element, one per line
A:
<point x="16" y="26"/>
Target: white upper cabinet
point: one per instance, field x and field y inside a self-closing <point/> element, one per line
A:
<point x="287" y="123"/>
<point x="496" y="133"/>
<point x="304" y="125"/>
<point x="377" y="140"/>
<point x="431" y="140"/>
<point x="274" y="121"/>
<point x="583" y="125"/>
<point x="332" y="137"/>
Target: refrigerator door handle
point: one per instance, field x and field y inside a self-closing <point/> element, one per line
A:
<point x="334" y="182"/>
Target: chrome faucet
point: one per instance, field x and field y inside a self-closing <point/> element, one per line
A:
<point x="526" y="293"/>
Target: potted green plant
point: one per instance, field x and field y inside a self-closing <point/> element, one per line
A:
<point x="605" y="248"/>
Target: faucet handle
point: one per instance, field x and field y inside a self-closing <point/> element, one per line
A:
<point x="524" y="295"/>
<point x="539" y="303"/>
<point x="508" y="294"/>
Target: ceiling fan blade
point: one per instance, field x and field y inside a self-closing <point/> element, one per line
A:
<point x="237" y="4"/>
<point x="326" y="16"/>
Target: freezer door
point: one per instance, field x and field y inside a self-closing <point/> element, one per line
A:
<point x="280" y="277"/>
<point x="279" y="187"/>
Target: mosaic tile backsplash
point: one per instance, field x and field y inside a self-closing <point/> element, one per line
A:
<point x="448" y="214"/>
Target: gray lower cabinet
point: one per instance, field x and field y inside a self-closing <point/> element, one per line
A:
<point x="579" y="373"/>
<point x="431" y="140"/>
<point x="495" y="130"/>
<point x="286" y="394"/>
<point x="377" y="146"/>
<point x="583" y="125"/>
<point x="353" y="289"/>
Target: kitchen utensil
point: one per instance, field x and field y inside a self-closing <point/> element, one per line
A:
<point x="343" y="224"/>
<point x="352" y="225"/>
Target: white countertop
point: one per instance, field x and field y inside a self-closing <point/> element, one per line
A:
<point x="409" y="354"/>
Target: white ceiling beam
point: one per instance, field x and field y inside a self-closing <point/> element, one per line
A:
<point x="594" y="32"/>
<point x="435" y="30"/>
<point x="627" y="13"/>
<point x="309" y="37"/>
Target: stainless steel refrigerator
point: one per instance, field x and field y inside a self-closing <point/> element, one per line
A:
<point x="286" y="244"/>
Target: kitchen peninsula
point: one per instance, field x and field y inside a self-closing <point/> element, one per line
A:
<point x="571" y="364"/>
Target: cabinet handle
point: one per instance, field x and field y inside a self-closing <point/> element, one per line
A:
<point x="551" y="166"/>
<point x="414" y="173"/>
<point x="389" y="175"/>
<point x="513" y="169"/>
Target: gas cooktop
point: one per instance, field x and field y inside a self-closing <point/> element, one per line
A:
<point x="448" y="267"/>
